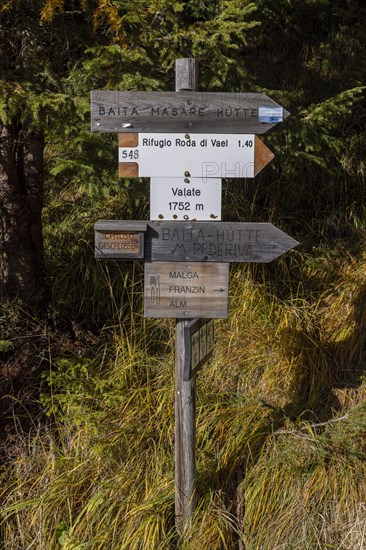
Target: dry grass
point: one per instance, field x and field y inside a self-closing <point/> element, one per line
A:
<point x="275" y="471"/>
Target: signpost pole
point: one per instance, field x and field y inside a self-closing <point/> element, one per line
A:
<point x="206" y="136"/>
<point x="185" y="390"/>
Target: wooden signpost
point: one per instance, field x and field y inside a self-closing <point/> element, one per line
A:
<point x="200" y="341"/>
<point x="116" y="240"/>
<point x="182" y="111"/>
<point x="218" y="242"/>
<point x="183" y="290"/>
<point x="193" y="241"/>
<point x="186" y="141"/>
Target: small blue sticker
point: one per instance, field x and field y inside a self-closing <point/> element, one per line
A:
<point x="270" y="114"/>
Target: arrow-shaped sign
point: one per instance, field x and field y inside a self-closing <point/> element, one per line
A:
<point x="216" y="242"/>
<point x="195" y="241"/>
<point x="195" y="112"/>
<point x="192" y="156"/>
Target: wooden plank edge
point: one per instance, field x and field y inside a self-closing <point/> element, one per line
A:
<point x="128" y="139"/>
<point x="128" y="170"/>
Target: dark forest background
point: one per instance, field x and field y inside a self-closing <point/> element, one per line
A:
<point x="87" y="418"/>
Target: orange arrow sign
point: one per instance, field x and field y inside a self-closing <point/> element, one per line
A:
<point x="262" y="155"/>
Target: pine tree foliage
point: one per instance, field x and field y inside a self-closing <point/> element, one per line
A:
<point x="281" y="408"/>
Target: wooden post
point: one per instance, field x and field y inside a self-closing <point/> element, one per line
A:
<point x="186" y="74"/>
<point x="185" y="432"/>
<point x="185" y="390"/>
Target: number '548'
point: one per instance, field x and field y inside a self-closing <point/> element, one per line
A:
<point x="130" y="153"/>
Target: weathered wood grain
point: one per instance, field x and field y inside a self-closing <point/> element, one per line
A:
<point x="128" y="140"/>
<point x="252" y="242"/>
<point x="185" y="390"/>
<point x="121" y="225"/>
<point x="199" y="336"/>
<point x="128" y="170"/>
<point x="119" y="241"/>
<point x="194" y="112"/>
<point x="186" y="290"/>
<point x="185" y="431"/>
<point x="262" y="155"/>
<point x="186" y="74"/>
<point x="218" y="242"/>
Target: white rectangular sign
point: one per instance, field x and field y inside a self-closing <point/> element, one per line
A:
<point x="196" y="155"/>
<point x="185" y="199"/>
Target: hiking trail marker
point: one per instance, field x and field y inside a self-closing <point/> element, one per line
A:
<point x="186" y="290"/>
<point x="184" y="111"/>
<point x="180" y="241"/>
<point x="192" y="155"/>
<point x="186" y="142"/>
<point x="173" y="199"/>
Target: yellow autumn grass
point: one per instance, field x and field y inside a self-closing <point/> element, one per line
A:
<point x="281" y="429"/>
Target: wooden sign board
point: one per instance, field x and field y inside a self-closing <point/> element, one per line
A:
<point x="186" y="290"/>
<point x="199" y="336"/>
<point x="121" y="240"/>
<point x="196" y="156"/>
<point x="200" y="241"/>
<point x="185" y="199"/>
<point x="216" y="242"/>
<point x="195" y="112"/>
